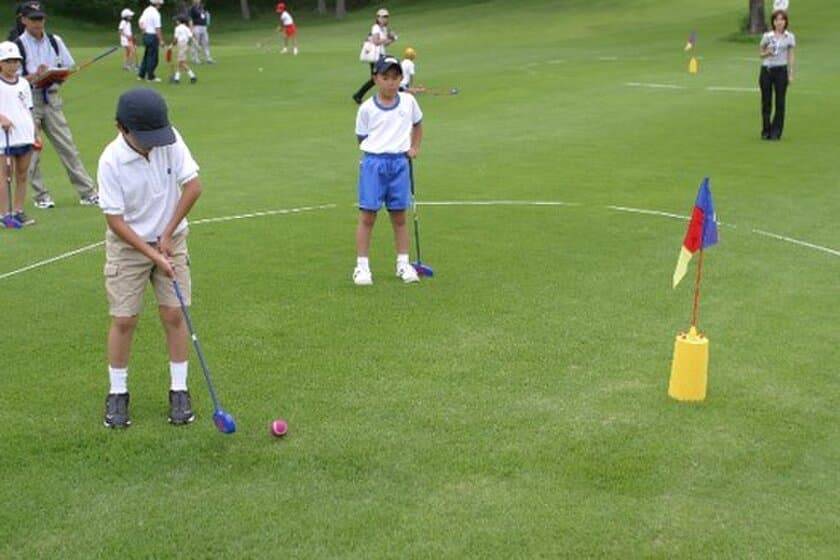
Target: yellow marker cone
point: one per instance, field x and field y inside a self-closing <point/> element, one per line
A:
<point x="692" y="66"/>
<point x="689" y="370"/>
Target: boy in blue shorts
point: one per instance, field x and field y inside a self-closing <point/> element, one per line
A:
<point x="389" y="130"/>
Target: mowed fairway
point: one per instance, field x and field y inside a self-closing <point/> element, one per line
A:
<point x="514" y="406"/>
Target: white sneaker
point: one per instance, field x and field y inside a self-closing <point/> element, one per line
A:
<point x="362" y="277"/>
<point x="295" y="51"/>
<point x="284" y="50"/>
<point x="407" y="273"/>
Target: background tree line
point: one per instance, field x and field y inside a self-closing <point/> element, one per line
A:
<point x="108" y="10"/>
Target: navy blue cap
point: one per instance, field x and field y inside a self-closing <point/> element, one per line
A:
<point x="32" y="10"/>
<point x="386" y="62"/>
<point x="143" y="112"/>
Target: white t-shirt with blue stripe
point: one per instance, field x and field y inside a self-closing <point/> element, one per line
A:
<point x="387" y="130"/>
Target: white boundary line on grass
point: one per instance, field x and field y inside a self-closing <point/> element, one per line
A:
<point x="797" y="242"/>
<point x="654" y="86"/>
<point x="80" y="250"/>
<point x="496" y="203"/>
<point x="648" y="212"/>
<point x="728" y="89"/>
<point x="632" y="210"/>
<point x="757" y="231"/>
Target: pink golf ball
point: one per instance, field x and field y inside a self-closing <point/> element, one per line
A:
<point x="279" y="428"/>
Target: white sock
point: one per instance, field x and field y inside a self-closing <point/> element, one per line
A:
<point x="119" y="380"/>
<point x="191" y="73"/>
<point x="177" y="75"/>
<point x="402" y="259"/>
<point x="363" y="263"/>
<point x="178" y="376"/>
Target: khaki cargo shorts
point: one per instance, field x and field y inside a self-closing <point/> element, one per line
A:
<point x="127" y="271"/>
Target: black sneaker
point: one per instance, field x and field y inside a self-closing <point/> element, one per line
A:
<point x="180" y="407"/>
<point x="116" y="411"/>
<point x="23" y="219"/>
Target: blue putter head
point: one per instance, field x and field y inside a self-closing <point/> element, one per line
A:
<point x="423" y="270"/>
<point x="224" y="422"/>
<point x="9" y="222"/>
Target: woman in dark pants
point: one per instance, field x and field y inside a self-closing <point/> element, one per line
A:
<point x="777" y="52"/>
<point x="381" y="36"/>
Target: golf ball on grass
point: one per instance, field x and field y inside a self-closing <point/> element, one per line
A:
<point x="279" y="428"/>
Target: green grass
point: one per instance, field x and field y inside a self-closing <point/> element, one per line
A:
<point x="515" y="405"/>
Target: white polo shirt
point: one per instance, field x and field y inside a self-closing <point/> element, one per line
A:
<point x="150" y="20"/>
<point x="286" y="19"/>
<point x="387" y="130"/>
<point x="16" y="105"/>
<point x="145" y="192"/>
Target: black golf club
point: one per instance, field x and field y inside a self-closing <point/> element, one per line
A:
<point x="224" y="421"/>
<point x="422" y="269"/>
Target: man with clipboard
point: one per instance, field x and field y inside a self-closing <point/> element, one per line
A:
<point x="46" y="64"/>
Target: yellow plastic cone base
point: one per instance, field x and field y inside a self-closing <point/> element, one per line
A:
<point x="690" y="368"/>
<point x="693" y="67"/>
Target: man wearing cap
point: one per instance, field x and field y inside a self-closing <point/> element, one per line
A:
<point x="150" y="27"/>
<point x="149" y="182"/>
<point x="42" y="52"/>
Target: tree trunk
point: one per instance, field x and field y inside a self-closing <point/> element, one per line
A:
<point x="322" y="7"/>
<point x="757" y="23"/>
<point x="246" y="11"/>
<point x="340" y="9"/>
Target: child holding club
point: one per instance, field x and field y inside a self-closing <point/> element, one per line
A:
<point x="409" y="71"/>
<point x="18" y="136"/>
<point x="389" y="130"/>
<point x="287" y="24"/>
<point x="148" y="183"/>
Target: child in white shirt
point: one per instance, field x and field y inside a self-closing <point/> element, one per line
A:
<point x="17" y="137"/>
<point x="127" y="40"/>
<point x="181" y="41"/>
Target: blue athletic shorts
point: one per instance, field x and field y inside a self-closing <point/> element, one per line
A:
<point x="384" y="178"/>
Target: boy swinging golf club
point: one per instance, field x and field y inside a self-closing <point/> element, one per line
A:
<point x="148" y="182"/>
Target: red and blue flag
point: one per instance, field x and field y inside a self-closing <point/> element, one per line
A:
<point x="702" y="230"/>
<point x="691" y="41"/>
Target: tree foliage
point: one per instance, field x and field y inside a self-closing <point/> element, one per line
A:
<point x="108" y="10"/>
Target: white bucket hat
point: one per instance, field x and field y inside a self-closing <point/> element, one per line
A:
<point x="382" y="12"/>
<point x="126" y="13"/>
<point x="9" y="51"/>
